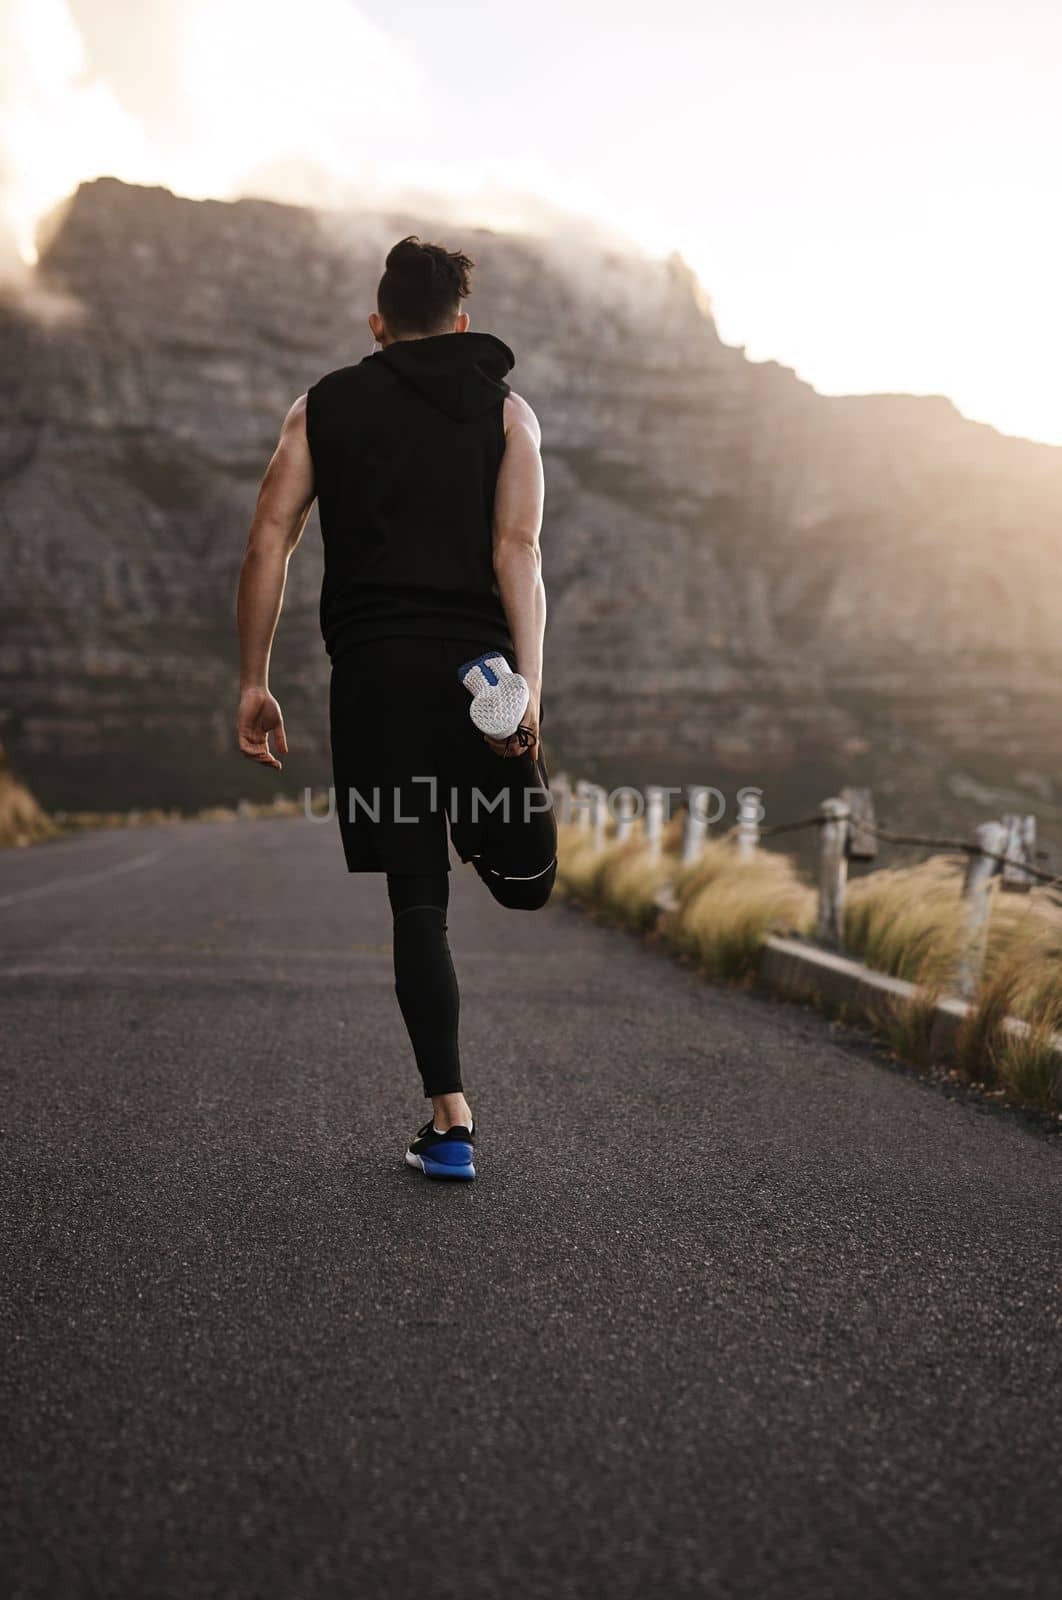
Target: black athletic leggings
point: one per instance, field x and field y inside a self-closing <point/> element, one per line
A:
<point x="425" y="981"/>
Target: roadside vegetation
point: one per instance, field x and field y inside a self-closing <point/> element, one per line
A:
<point x="904" y="921"/>
<point x="22" y="821"/>
<point x="720" y="911"/>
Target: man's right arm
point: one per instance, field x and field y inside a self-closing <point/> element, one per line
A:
<point x="519" y="497"/>
<point x="284" y="501"/>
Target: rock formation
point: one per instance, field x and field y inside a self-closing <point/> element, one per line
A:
<point x="749" y="582"/>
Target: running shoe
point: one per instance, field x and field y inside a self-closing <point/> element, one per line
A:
<point x="443" y="1155"/>
<point x="499" y="695"/>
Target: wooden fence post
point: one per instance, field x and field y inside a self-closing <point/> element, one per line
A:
<point x="860" y="841"/>
<point x="581" y="804"/>
<point x="980" y="870"/>
<point x="654" y="818"/>
<point x="626" y="811"/>
<point x="695" y="827"/>
<point x="833" y="873"/>
<point x="599" y="804"/>
<point x="1021" y="846"/>
<point x="748" y="833"/>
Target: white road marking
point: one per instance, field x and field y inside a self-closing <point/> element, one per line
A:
<point x="81" y="878"/>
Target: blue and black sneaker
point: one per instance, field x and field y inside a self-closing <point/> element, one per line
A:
<point x="443" y="1155"/>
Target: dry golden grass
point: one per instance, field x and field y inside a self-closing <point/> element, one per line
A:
<point x="728" y="908"/>
<point x="1022" y="980"/>
<point x="908" y="1027"/>
<point x="22" y="821"/>
<point x="1028" y="1062"/>
<point x="280" y="807"/>
<point x="907" y="1024"/>
<point x="1025" y="933"/>
<point x="579" y="866"/>
<point x="907" y="921"/>
<point x="94" y="821"/>
<point x="981" y="1035"/>
<point x="623" y="878"/>
<point x="631" y="881"/>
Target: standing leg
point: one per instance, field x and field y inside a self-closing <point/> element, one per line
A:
<point x="426" y="988"/>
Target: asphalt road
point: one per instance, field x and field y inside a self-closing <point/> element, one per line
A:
<point x="733" y="1309"/>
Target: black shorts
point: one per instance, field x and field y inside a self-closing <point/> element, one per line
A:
<point x="410" y="766"/>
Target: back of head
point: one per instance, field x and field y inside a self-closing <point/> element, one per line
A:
<point x="422" y="287"/>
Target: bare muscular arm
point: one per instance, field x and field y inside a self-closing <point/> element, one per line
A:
<point x="518" y="504"/>
<point x="284" y="501"/>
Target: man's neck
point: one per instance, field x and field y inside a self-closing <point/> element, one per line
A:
<point x="407" y="338"/>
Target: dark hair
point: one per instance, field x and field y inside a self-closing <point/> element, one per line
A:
<point x="423" y="286"/>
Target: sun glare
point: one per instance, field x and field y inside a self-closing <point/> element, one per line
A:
<point x="227" y="97"/>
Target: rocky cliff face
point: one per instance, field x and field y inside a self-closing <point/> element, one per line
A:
<point x="749" y="583"/>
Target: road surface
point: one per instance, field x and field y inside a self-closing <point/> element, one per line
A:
<point x="734" y="1309"/>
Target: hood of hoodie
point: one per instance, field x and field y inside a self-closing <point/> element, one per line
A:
<point x="461" y="374"/>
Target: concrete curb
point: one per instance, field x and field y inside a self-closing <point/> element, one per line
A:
<point x="804" y="972"/>
<point x="832" y="982"/>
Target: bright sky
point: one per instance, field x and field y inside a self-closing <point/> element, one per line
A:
<point x="869" y="189"/>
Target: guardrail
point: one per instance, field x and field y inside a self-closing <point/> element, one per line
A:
<point x="848" y="831"/>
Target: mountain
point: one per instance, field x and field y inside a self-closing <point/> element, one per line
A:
<point x="749" y="583"/>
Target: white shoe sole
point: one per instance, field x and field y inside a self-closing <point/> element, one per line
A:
<point x="438" y="1169"/>
<point x="499" y="695"/>
<point x="497" y="711"/>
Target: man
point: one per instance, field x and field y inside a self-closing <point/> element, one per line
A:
<point x="428" y="476"/>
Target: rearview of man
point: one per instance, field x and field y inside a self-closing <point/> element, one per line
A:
<point x="428" y="476"/>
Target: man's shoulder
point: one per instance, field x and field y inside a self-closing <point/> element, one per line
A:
<point x="339" y="394"/>
<point x="518" y="414"/>
<point x="344" y="377"/>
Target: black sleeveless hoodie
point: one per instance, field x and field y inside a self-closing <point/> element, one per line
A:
<point x="406" y="447"/>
